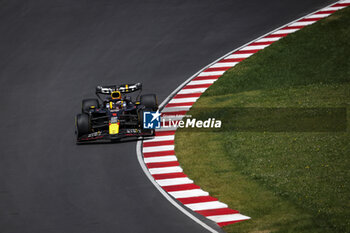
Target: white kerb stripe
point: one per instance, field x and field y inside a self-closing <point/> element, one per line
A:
<point x="193" y="90"/>
<point x="176" y="109"/>
<point x="332" y="8"/>
<point x="224" y="64"/>
<point x="157" y="148"/>
<point x="165" y="170"/>
<point x="268" y="39"/>
<point x="285" y="31"/>
<point x="228" y="218"/>
<point x="317" y="16"/>
<point x="241" y="55"/>
<point x="196" y="82"/>
<point x="207" y="205"/>
<point x="189" y="193"/>
<point x="174" y="181"/>
<point x="212" y="73"/>
<point x="254" y="47"/>
<point x="184" y="100"/>
<point x="160" y="138"/>
<point x="160" y="159"/>
<point x="302" y="23"/>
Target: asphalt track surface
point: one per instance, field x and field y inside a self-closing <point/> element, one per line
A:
<point x="54" y="53"/>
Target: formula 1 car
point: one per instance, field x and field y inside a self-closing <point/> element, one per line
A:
<point x="115" y="117"/>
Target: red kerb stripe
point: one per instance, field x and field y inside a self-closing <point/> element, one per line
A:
<point x="207" y="77"/>
<point x="261" y="43"/>
<point x="292" y="27"/>
<point x="178" y="96"/>
<point x="325" y="12"/>
<point x="247" y="51"/>
<point x="159" y="143"/>
<point x="276" y="35"/>
<point x="309" y="20"/>
<point x="190" y="200"/>
<point x="169" y="175"/>
<point x="341" y="4"/>
<point x="221" y="224"/>
<point x="218" y="68"/>
<point x="158" y="153"/>
<point x="179" y="104"/>
<point x="217" y="212"/>
<point x="163" y="164"/>
<point x="165" y="133"/>
<point x="181" y="187"/>
<point x="233" y="59"/>
<point x="197" y="86"/>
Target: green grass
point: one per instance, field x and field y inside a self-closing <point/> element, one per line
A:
<point x="286" y="181"/>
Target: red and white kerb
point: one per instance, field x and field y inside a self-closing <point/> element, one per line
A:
<point x="158" y="153"/>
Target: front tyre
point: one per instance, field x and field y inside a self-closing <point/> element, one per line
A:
<point x="82" y="124"/>
<point x="88" y="103"/>
<point x="149" y="101"/>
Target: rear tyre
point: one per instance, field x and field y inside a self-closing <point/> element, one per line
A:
<point x="149" y="101"/>
<point x="82" y="123"/>
<point x="88" y="103"/>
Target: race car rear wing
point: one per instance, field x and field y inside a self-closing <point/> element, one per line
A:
<point x="125" y="88"/>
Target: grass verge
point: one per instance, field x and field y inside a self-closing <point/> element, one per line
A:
<point x="287" y="181"/>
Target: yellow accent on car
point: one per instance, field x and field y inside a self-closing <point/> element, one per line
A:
<point x="92" y="106"/>
<point x="116" y="95"/>
<point x="113" y="128"/>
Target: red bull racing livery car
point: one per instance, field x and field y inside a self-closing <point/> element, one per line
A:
<point x="116" y="116"/>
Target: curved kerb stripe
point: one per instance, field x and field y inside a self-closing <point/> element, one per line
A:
<point x="158" y="152"/>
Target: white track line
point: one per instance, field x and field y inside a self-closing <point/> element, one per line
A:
<point x="317" y="16"/>
<point x="174" y="181"/>
<point x="228" y="218"/>
<point x="285" y="31"/>
<point x="160" y="159"/>
<point x="158" y="148"/>
<point x="212" y="73"/>
<point x="272" y="39"/>
<point x="242" y="55"/>
<point x="306" y="23"/>
<point x="205" y="81"/>
<point x="224" y="64"/>
<point x="207" y="205"/>
<point x="193" y="90"/>
<point x="183" y="100"/>
<point x="161" y="138"/>
<point x="254" y="47"/>
<point x="333" y="8"/>
<point x="189" y="193"/>
<point x="165" y="170"/>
